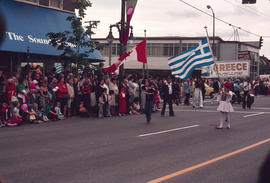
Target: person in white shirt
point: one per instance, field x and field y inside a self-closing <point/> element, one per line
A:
<point x="246" y="98"/>
<point x="167" y="93"/>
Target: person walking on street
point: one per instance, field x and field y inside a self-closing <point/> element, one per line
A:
<point x="225" y="107"/>
<point x="186" y="89"/>
<point x="216" y="86"/>
<point x="149" y="100"/>
<point x="246" y="87"/>
<point x="167" y="91"/>
<point x="203" y="89"/>
<point x="237" y="89"/>
<point x="197" y="97"/>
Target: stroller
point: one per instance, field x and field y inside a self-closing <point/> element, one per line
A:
<point x="249" y="98"/>
<point x="5" y="114"/>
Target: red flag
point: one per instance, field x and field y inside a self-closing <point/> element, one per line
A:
<point x="136" y="54"/>
<point x="130" y="8"/>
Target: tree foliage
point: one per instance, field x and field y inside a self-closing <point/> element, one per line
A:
<point x="72" y="41"/>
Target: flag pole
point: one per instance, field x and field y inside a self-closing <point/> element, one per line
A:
<point x="145" y="72"/>
<point x="215" y="64"/>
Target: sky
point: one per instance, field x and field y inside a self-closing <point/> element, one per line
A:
<point x="175" y="18"/>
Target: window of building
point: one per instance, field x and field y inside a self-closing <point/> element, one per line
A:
<point x="157" y="49"/>
<point x="148" y="49"/>
<point x="115" y="49"/>
<point x="184" y="47"/>
<point x="168" y="49"/>
<point x="56" y="3"/>
<point x="190" y="45"/>
<point x="176" y="48"/>
<point x="104" y="49"/>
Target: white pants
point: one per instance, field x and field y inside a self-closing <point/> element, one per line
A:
<point x="215" y="97"/>
<point x="224" y="117"/>
<point x="197" y="98"/>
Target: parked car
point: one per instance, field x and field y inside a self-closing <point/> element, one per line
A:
<point x="209" y="91"/>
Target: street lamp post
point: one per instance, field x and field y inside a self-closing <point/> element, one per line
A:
<point x="213" y="46"/>
<point x="121" y="32"/>
<point x="122" y="26"/>
<point x="110" y="39"/>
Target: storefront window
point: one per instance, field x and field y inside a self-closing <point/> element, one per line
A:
<point x="55" y="3"/>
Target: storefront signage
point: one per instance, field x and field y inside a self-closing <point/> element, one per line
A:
<point x="243" y="55"/>
<point x="230" y="69"/>
<point x="30" y="38"/>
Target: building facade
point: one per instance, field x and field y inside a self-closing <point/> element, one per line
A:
<point x="63" y="5"/>
<point x="160" y="49"/>
<point x="26" y="23"/>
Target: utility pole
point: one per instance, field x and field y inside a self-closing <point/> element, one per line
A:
<point x="92" y="25"/>
<point x="121" y="31"/>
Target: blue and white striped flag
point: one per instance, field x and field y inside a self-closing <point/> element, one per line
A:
<point x="184" y="63"/>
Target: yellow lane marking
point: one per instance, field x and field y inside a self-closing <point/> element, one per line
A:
<point x="172" y="175"/>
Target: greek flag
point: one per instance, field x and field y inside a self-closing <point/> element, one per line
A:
<point x="184" y="63"/>
<point x="59" y="68"/>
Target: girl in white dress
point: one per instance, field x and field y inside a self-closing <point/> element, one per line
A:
<point x="225" y="107"/>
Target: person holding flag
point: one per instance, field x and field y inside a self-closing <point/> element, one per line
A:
<point x="168" y="91"/>
<point x="149" y="101"/>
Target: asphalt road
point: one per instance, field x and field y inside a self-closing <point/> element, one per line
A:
<point x="181" y="149"/>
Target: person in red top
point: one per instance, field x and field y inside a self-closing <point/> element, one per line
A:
<point x="86" y="95"/>
<point x="62" y="95"/>
<point x="122" y="102"/>
<point x="10" y="88"/>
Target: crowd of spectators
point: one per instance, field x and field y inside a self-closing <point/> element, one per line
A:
<point x="34" y="97"/>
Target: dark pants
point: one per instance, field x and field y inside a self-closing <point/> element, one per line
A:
<point x="187" y="97"/>
<point x="203" y="95"/>
<point x="256" y="90"/>
<point x="237" y="93"/>
<point x="169" y="101"/>
<point x="76" y="105"/>
<point x="246" y="100"/>
<point x="86" y="101"/>
<point x="128" y="104"/>
<point x="148" y="110"/>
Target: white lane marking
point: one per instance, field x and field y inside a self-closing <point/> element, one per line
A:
<point x="256" y="114"/>
<point x="235" y="107"/>
<point x="203" y="110"/>
<point x="166" y="131"/>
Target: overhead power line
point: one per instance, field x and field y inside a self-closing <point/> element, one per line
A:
<point x="249" y="9"/>
<point x="230" y="24"/>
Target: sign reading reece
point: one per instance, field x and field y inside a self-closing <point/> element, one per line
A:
<point x="230" y="69"/>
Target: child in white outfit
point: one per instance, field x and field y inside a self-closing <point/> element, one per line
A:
<point x="225" y="107"/>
